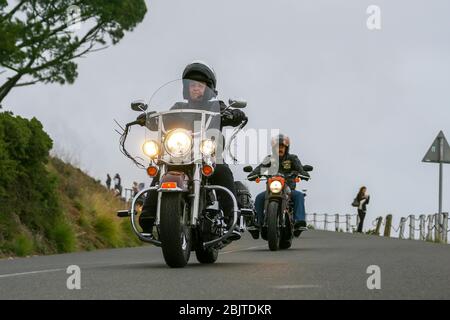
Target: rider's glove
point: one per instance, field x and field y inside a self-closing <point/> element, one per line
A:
<point x="152" y="122"/>
<point x="238" y="115"/>
<point x="141" y="119"/>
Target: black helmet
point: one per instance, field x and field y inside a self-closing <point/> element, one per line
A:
<point x="281" y="139"/>
<point x="199" y="71"/>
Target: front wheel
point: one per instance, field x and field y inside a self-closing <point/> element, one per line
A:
<point x="176" y="240"/>
<point x="273" y="228"/>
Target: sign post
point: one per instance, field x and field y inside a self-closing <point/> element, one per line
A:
<point x="439" y="152"/>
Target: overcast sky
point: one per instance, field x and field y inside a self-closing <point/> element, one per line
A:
<point x="361" y="106"/>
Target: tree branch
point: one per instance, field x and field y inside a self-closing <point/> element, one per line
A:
<point x="9" y="67"/>
<point x="23" y="84"/>
<point x="51" y="33"/>
<point x="66" y="54"/>
<point x="13" y="10"/>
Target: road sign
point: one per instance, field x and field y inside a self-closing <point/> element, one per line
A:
<point x="439" y="151"/>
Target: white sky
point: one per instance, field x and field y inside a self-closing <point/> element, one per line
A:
<point x="361" y="106"/>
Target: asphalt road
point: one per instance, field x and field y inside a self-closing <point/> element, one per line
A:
<point x="320" y="265"/>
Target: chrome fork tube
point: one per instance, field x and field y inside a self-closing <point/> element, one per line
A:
<point x="196" y="201"/>
<point x="158" y="206"/>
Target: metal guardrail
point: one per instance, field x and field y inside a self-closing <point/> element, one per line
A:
<point x="330" y="219"/>
<point x="433" y="227"/>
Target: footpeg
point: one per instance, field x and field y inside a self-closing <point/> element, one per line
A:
<point x="123" y="213"/>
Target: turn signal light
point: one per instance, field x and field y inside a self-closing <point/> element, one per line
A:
<point x="168" y="185"/>
<point x="297" y="179"/>
<point x="152" y="171"/>
<point x="207" y="170"/>
<point x="258" y="180"/>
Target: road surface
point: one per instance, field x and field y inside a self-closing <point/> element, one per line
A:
<point x="320" y="265"/>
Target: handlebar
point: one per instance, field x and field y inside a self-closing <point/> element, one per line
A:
<point x="286" y="176"/>
<point x="141" y="120"/>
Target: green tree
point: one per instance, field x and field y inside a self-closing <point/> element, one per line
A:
<point x="40" y="39"/>
<point x="27" y="190"/>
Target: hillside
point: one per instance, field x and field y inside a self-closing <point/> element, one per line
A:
<point x="87" y="221"/>
<point x="48" y="206"/>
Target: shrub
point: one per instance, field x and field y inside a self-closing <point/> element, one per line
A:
<point x="23" y="245"/>
<point x="64" y="237"/>
<point x="27" y="190"/>
<point x="107" y="231"/>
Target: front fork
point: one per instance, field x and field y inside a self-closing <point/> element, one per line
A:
<point x="282" y="205"/>
<point x="195" y="206"/>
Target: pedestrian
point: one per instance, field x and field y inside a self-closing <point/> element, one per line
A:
<point x="108" y="181"/>
<point x="361" y="201"/>
<point x="118" y="184"/>
<point x="134" y="189"/>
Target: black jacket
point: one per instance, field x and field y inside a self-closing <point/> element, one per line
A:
<point x="290" y="163"/>
<point x="360" y="198"/>
<point x="225" y="121"/>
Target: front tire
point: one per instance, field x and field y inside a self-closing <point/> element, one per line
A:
<point x="273" y="229"/>
<point x="176" y="240"/>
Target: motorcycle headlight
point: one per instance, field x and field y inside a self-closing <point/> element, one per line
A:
<point x="207" y="147"/>
<point x="178" y="143"/>
<point x="150" y="148"/>
<point x="275" y="186"/>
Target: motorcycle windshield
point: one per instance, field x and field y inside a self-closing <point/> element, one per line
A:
<point x="183" y="104"/>
<point x="181" y="115"/>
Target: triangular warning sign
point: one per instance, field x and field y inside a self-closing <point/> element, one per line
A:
<point x="435" y="154"/>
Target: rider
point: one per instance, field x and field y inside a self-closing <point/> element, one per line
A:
<point x="199" y="89"/>
<point x="287" y="164"/>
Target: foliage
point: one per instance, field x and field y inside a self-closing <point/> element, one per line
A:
<point x="27" y="190"/>
<point x="46" y="205"/>
<point x="40" y="39"/>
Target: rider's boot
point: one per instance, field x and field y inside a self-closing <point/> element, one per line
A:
<point x="254" y="231"/>
<point x="299" y="227"/>
<point x="147" y="224"/>
<point x="236" y="234"/>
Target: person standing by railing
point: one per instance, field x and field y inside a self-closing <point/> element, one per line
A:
<point x="361" y="201"/>
<point x="108" y="181"/>
<point x="118" y="185"/>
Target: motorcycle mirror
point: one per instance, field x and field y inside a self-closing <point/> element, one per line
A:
<point x="248" y="169"/>
<point x="307" y="168"/>
<point x="239" y="104"/>
<point x="139" y="105"/>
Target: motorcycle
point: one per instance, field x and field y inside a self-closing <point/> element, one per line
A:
<point x="182" y="147"/>
<point x="278" y="225"/>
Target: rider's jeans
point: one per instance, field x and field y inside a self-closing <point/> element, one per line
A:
<point x="299" y="206"/>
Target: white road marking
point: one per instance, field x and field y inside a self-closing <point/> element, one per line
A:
<point x="104" y="265"/>
<point x="30" y="272"/>
<point x="297" y="286"/>
<point x="237" y="250"/>
<point x="88" y="266"/>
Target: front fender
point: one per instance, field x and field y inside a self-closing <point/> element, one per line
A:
<point x="174" y="181"/>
